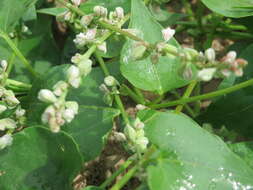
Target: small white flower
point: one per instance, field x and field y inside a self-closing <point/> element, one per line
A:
<point x="60" y="87"/>
<point x="7" y="123"/>
<point x="5" y="141"/>
<point x="47" y="114"/>
<point x="168" y="33"/>
<point x="141" y="107"/>
<point x="91" y="34"/>
<point x="210" y="54"/>
<point x="4" y="64"/>
<point x="25" y="29"/>
<point x="2" y="108"/>
<point x="206" y="74"/>
<point x="130" y="133"/>
<point x="138" y="124"/>
<point x="102" y="47"/>
<point x="68" y="115"/>
<point x="19" y="112"/>
<point x="75" y="82"/>
<point x="72" y="105"/>
<point x="80" y="39"/>
<point x="230" y="57"/>
<point x="47" y="96"/>
<point x="119" y="12"/>
<point x="76" y="2"/>
<point x="100" y="11"/>
<point x="110" y="81"/>
<point x="85" y="67"/>
<point x="86" y="20"/>
<point x="9" y="98"/>
<point x="73" y="72"/>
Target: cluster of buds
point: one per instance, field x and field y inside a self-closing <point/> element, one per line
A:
<point x="136" y="136"/>
<point x="109" y="88"/>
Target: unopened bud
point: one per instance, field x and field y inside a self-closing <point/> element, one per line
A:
<point x="4" y="64"/>
<point x="210" y="55"/>
<point x="80" y="40"/>
<point x="73" y="72"/>
<point x="102" y="47"/>
<point x="67" y="16"/>
<point x="110" y="81"/>
<point x="2" y="108"/>
<point x="141" y="144"/>
<point x="141" y="107"/>
<point x="47" y="114"/>
<point x="10" y="99"/>
<point x="206" y="74"/>
<point x="85" y="67"/>
<point x="119" y="12"/>
<point x="72" y="105"/>
<point x="7" y="123"/>
<point x="230" y="57"/>
<point x="91" y="34"/>
<point x="100" y="11"/>
<point x="54" y="126"/>
<point x="19" y="112"/>
<point x="130" y="133"/>
<point x="138" y="124"/>
<point x="168" y="33"/>
<point x="60" y="87"/>
<point x="76" y="2"/>
<point x="76" y="82"/>
<point x="68" y="115"/>
<point x="86" y="20"/>
<point x="47" y="96"/>
<point x="5" y="141"/>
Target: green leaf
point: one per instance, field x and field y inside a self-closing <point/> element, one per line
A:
<point x="161" y="76"/>
<point x="90" y="127"/>
<point x="244" y="150"/>
<point x="11" y="11"/>
<point x="230" y="8"/>
<point x="39" y="159"/>
<point x="30" y="14"/>
<point x="56" y="11"/>
<point x="191" y="156"/>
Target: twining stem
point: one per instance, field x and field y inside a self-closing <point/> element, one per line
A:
<point x="18" y="53"/>
<point x="204" y="96"/>
<point x="187" y="93"/>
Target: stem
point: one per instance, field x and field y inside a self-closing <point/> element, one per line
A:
<point x="134" y="96"/>
<point x="18" y="84"/>
<point x="122" y="168"/>
<point x="187" y="93"/>
<point x="205" y="96"/>
<point x="18" y="53"/>
<point x="71" y="7"/>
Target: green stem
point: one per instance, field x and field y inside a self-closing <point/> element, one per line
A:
<point x="18" y="84"/>
<point x="205" y="96"/>
<point x="187" y="93"/>
<point x="135" y="97"/>
<point x="18" y="53"/>
<point x="122" y="168"/>
<point x="71" y="7"/>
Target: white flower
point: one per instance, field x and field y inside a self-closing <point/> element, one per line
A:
<point x="54" y="126"/>
<point x="60" y="87"/>
<point x="73" y="72"/>
<point x="138" y="124"/>
<point x="68" y="115"/>
<point x="100" y="11"/>
<point x="2" y="108"/>
<point x="10" y="98"/>
<point x="140" y="107"/>
<point x="7" y="123"/>
<point x="5" y="140"/>
<point x="80" y="39"/>
<point x="91" y="34"/>
<point x="75" y="82"/>
<point x="110" y="81"/>
<point x="102" y="47"/>
<point x="76" y="2"/>
<point x="168" y="33"/>
<point x="47" y="96"/>
<point x="119" y="12"/>
<point x="47" y="114"/>
<point x="130" y="133"/>
<point x="4" y="64"/>
<point x="19" y="112"/>
<point x="25" y="29"/>
<point x="230" y="57"/>
<point x="86" y="20"/>
<point x="210" y="54"/>
<point x="72" y="105"/>
<point x="85" y="67"/>
<point x="206" y="74"/>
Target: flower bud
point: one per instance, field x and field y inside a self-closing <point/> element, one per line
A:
<point x="76" y="2"/>
<point x="86" y="20"/>
<point x="80" y="40"/>
<point x="47" y="96"/>
<point x="2" y="108"/>
<point x="25" y="29"/>
<point x="141" y="107"/>
<point x="19" y="112"/>
<point x="100" y="11"/>
<point x="102" y="47"/>
<point x="130" y="133"/>
<point x="110" y="81"/>
<point x="119" y="137"/>
<point x="67" y="16"/>
<point x="60" y="87"/>
<point x="68" y="115"/>
<point x="10" y="99"/>
<point x="47" y="114"/>
<point x="5" y="141"/>
<point x="187" y="73"/>
<point x="230" y="57"/>
<point x="119" y="12"/>
<point x="53" y="125"/>
<point x="76" y="59"/>
<point x="210" y="55"/>
<point x="168" y="33"/>
<point x="73" y="72"/>
<point x="75" y="82"/>
<point x="206" y="74"/>
<point x="72" y="105"/>
<point x="138" y="124"/>
<point x="7" y="123"/>
<point x="141" y="144"/>
<point x="103" y="88"/>
<point x="85" y="67"/>
<point x="4" y="64"/>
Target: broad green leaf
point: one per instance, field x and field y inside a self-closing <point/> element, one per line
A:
<point x="39" y="159"/>
<point x="11" y="11"/>
<point x="231" y="8"/>
<point x="161" y="76"/>
<point x="90" y="127"/>
<point x="56" y="11"/>
<point x="192" y="157"/>
<point x="244" y="150"/>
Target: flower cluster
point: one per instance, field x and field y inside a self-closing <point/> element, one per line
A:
<point x="136" y="136"/>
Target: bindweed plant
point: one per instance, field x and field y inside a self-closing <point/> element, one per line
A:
<point x="82" y="80"/>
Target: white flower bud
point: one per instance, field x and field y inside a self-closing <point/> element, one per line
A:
<point x="67" y="16"/>
<point x="76" y="2"/>
<point x="7" y="123"/>
<point x="168" y="33"/>
<point x="47" y="114"/>
<point x="141" y="107"/>
<point x="54" y="126"/>
<point x="100" y="11"/>
<point x="130" y="133"/>
<point x="110" y="81"/>
<point x="68" y="115"/>
<point x="10" y="99"/>
<point x="72" y="105"/>
<point x="5" y="140"/>
<point x="19" y="112"/>
<point x="75" y="82"/>
<point x="25" y="29"/>
<point x="230" y="57"/>
<point x="104" y="88"/>
<point x="86" y="20"/>
<point x="91" y="34"/>
<point x="60" y="87"/>
<point x="47" y="96"/>
<point x="210" y="54"/>
<point x="2" y="108"/>
<point x="76" y="59"/>
<point x="119" y="12"/>
<point x="141" y="144"/>
<point x="138" y="124"/>
<point x="206" y="74"/>
<point x="4" y="64"/>
<point x="102" y="47"/>
<point x="80" y="39"/>
<point x="85" y="67"/>
<point x="73" y="72"/>
<point x="187" y="73"/>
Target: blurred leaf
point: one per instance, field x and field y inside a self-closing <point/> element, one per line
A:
<point x="39" y="159"/>
<point x="56" y="11"/>
<point x="30" y="14"/>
